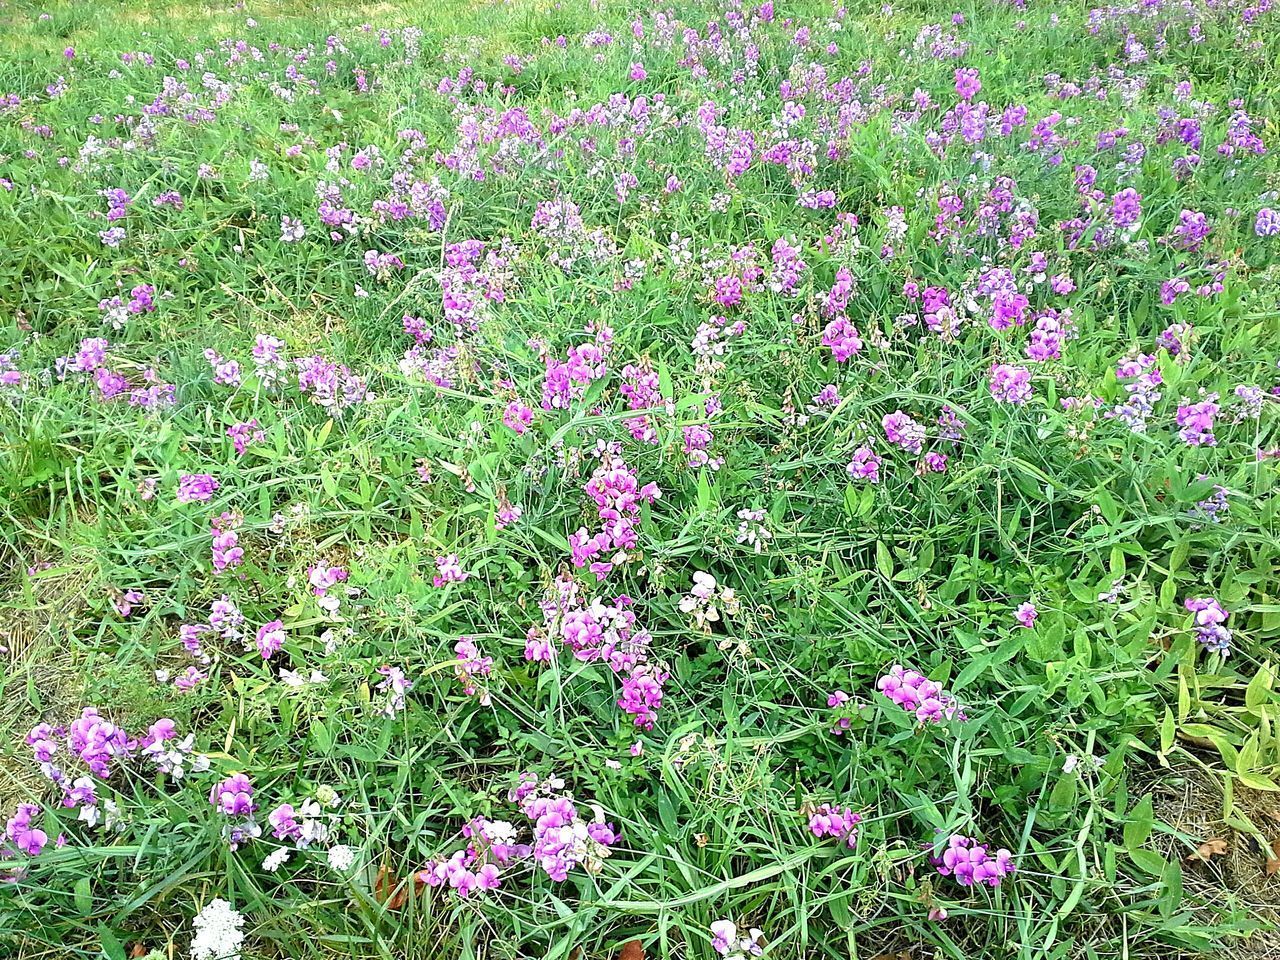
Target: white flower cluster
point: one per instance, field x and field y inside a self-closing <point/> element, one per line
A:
<point x="218" y="932"/>
<point x="706" y="599"/>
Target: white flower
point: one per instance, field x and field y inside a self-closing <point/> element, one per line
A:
<point x="291" y="230"/>
<point x="275" y="859"/>
<point x="341" y="858"/>
<point x="1070" y="763"/>
<point x="218" y="933"/>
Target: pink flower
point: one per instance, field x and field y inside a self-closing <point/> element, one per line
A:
<point x="196" y="486"/>
<point x="270" y="638"/>
<point x="449" y="570"/>
<point x="1026" y="615"/>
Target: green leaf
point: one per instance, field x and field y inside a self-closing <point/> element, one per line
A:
<point x="82" y="892"/>
<point x="1137" y="830"/>
<point x="884" y="560"/>
<point x="112" y="948"/>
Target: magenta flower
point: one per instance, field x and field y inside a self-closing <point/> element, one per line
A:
<point x="842" y="337"/>
<point x="971" y="863"/>
<point x="517" y="416"/>
<point x="1210" y="620"/>
<point x="233" y="796"/>
<point x="1026" y="615"/>
<point x="919" y="695"/>
<point x="967" y="83"/>
<point x="1010" y="384"/>
<point x="1195" y="421"/>
<point x="838" y="823"/>
<point x="901" y="430"/>
<point x="449" y="570"/>
<point x="865" y="465"/>
<point x="270" y="638"/>
<point x="196" y="486"/>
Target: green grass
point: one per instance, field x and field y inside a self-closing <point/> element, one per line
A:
<point x="924" y="569"/>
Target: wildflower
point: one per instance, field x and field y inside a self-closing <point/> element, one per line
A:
<point x="1267" y="223"/>
<point x="196" y="486"/>
<point x="123" y="603"/>
<point x="517" y="416"/>
<point x="1026" y="615"/>
<point x="1210" y="620"/>
<point x="902" y="430"/>
<point x="270" y="639"/>
<point x="449" y="570"/>
<point x="865" y="465"/>
<point x="919" y="695"/>
<point x="470" y="666"/>
<point x="1195" y="421"/>
<point x="1141" y="379"/>
<point x="245" y="433"/>
<point x="27" y="839"/>
<point x="395" y="686"/>
<point x="227" y="552"/>
<point x="291" y="230"/>
<point x="971" y="863"/>
<point x="842" y="337"/>
<point x="752" y="530"/>
<point x="233" y="796"/>
<point x="967" y="83"/>
<point x="838" y="823"/>
<point x="275" y="859"/>
<point x="219" y="932"/>
<point x="933" y="462"/>
<point x="702" y="598"/>
<point x="341" y="858"/>
<point x="1010" y="384"/>
<point x="726" y="942"/>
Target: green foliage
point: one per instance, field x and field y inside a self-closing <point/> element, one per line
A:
<point x="922" y="569"/>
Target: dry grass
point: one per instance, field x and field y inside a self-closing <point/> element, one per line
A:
<point x="1190" y="799"/>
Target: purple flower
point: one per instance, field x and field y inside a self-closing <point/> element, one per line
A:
<point x="865" y="465"/>
<point x="1010" y="384"/>
<point x="919" y="695"/>
<point x="838" y="823"/>
<point x="901" y="430"/>
<point x="1268" y="223"/>
<point x="843" y="339"/>
<point x="971" y="863"/>
<point x="1027" y="614"/>
<point x="517" y="416"/>
<point x="1195" y="422"/>
<point x="1210" y="620"/>
<point x="233" y="796"/>
<point x="270" y="638"/>
<point x="967" y="83"/>
<point x="196" y="486"/>
<point x="27" y="839"/>
<point x="449" y="570"/>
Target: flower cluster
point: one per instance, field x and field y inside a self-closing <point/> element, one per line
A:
<point x="728" y="944"/>
<point x="558" y="839"/>
<point x="838" y="823"/>
<point x="233" y="799"/>
<point x="472" y="668"/>
<point x="219" y="932"/>
<point x="395" y="687"/>
<point x="1210" y="620"/>
<point x="705" y="600"/>
<point x="618" y="495"/>
<point x="971" y="863"/>
<point x="919" y="695"/>
<point x="595" y="631"/>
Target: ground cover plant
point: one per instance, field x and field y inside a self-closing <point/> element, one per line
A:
<point x="589" y="480"/>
